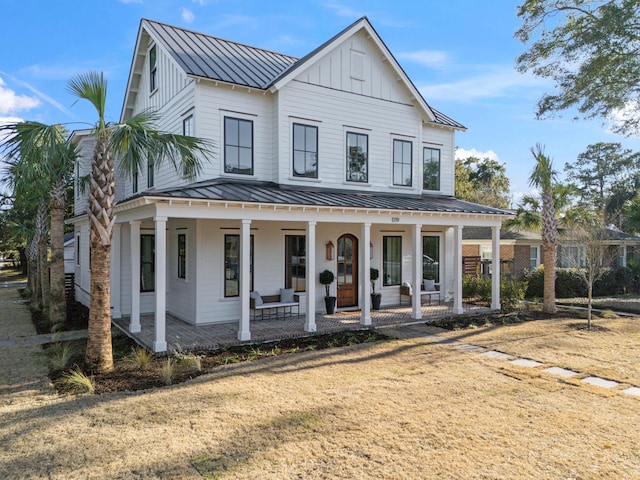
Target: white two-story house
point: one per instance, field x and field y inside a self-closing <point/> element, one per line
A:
<point x="332" y="161"/>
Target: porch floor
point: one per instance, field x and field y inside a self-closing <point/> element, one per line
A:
<point x="183" y="335"/>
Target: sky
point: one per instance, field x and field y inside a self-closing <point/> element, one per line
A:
<point x="460" y="54"/>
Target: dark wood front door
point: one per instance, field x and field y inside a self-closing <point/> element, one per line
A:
<point x="347" y="269"/>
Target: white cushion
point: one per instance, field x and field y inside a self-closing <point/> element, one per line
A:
<point x="286" y="295"/>
<point x="429" y="285"/>
<point x="258" y="299"/>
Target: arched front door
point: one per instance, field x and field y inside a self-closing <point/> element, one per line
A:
<point x="347" y="269"/>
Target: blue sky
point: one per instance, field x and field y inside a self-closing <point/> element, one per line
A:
<point x="459" y="53"/>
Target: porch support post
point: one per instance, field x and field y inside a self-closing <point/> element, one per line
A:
<point x="495" y="263"/>
<point x="310" y="319"/>
<point x="116" y="276"/>
<point x="160" y="327"/>
<point x="365" y="274"/>
<point x="245" y="280"/>
<point x="416" y="273"/>
<point x="134" y="241"/>
<point x="457" y="265"/>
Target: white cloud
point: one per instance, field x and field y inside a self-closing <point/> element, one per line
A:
<point x="11" y="102"/>
<point x="501" y="82"/>
<point x="42" y="96"/>
<point x="187" y="15"/>
<point x="462" y="153"/>
<point x="342" y="10"/>
<point x="428" y="58"/>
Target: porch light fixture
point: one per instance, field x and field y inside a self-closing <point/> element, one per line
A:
<point x="330" y="250"/>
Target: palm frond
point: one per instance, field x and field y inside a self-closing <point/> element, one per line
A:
<point x="543" y="175"/>
<point x="91" y="86"/>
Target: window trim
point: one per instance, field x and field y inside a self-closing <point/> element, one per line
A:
<point x="347" y="157"/>
<point x="395" y="142"/>
<point x="153" y="69"/>
<point x="385" y="283"/>
<point x="185" y="119"/>
<point x="224" y="269"/>
<point x="288" y="266"/>
<point x="424" y="163"/>
<point x="224" y="136"/>
<point x="182" y="257"/>
<point x="537" y="259"/>
<point x="293" y="149"/>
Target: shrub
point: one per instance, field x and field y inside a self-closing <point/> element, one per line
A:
<point x="78" y="379"/>
<point x="511" y="294"/>
<point x="59" y="354"/>
<point x="614" y="281"/>
<point x="570" y="283"/>
<point x="535" y="283"/>
<point x="168" y="370"/>
<point x="139" y="357"/>
<point x="476" y="287"/>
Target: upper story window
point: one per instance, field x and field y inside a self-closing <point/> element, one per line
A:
<point x="150" y="178"/>
<point x="187" y="126"/>
<point x="431" y="169"/>
<point x="77" y="178"/>
<point x="305" y="151"/>
<point x="135" y="182"/>
<point x="238" y="146"/>
<point x="402" y="163"/>
<point x="357" y="157"/>
<point x="153" y="70"/>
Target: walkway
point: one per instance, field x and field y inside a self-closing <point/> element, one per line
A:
<point x="183" y="335"/>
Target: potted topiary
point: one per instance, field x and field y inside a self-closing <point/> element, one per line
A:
<point x="326" y="279"/>
<point x="376" y="298"/>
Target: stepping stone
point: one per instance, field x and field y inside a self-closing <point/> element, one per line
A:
<point x="470" y="348"/>
<point x="562" y="372"/>
<point x="446" y="341"/>
<point x="525" y="362"/>
<point x="632" y="391"/>
<point x="600" y="382"/>
<point x="497" y="355"/>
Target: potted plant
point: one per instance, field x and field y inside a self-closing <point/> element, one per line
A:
<point x="326" y="279"/>
<point x="376" y="298"/>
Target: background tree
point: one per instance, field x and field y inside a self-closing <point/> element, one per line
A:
<point x="590" y="48"/>
<point x="133" y="142"/>
<point x="606" y="177"/>
<point x="482" y="181"/>
<point x="544" y="177"/>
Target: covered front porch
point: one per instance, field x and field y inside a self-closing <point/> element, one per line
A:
<point x="185" y="336"/>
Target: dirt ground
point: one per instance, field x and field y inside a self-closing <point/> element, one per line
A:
<point x="407" y="408"/>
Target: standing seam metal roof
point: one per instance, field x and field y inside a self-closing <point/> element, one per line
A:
<point x="267" y="192"/>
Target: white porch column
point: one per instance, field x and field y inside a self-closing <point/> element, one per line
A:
<point x="457" y="265"/>
<point x="623" y="263"/>
<point x="416" y="273"/>
<point x="116" y="276"/>
<point x="310" y="319"/>
<point x="160" y="327"/>
<point x="365" y="274"/>
<point x="134" y="241"/>
<point x="495" y="264"/>
<point x="245" y="280"/>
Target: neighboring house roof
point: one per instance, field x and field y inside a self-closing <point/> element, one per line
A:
<point x="214" y="58"/>
<point x="68" y="237"/>
<point x="271" y="193"/>
<point x="484" y="233"/>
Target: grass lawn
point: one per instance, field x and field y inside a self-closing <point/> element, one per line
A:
<point x="629" y="302"/>
<point x="406" y="408"/>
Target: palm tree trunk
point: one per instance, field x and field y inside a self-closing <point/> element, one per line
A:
<point x="43" y="270"/>
<point x="58" y="306"/>
<point x="99" y="354"/>
<point x="549" y="297"/>
<point x="34" y="276"/>
<point x="549" y="242"/>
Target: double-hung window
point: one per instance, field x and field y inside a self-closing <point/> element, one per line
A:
<point x="391" y="260"/>
<point x="305" y="151"/>
<point x="150" y="173"/>
<point x="534" y="256"/>
<point x="134" y="182"/>
<point x="431" y="169"/>
<point x="232" y="265"/>
<point x="238" y="146"/>
<point x="187" y="126"/>
<point x="295" y="262"/>
<point x="153" y="70"/>
<point x="402" y="163"/>
<point x="357" y="157"/>
<point x="147" y="263"/>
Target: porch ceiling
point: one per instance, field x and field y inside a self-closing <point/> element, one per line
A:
<point x="224" y="190"/>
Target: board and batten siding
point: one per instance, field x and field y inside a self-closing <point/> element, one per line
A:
<point x="181" y="293"/>
<point x="86" y="146"/>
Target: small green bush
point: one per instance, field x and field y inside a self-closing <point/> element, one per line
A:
<point x="473" y="287"/>
<point x="511" y="294"/>
<point x="570" y="283"/>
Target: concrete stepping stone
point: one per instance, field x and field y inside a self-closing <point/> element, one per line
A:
<point x="470" y="348"/>
<point x="446" y="341"/>
<point x="600" y="382"/>
<point x="562" y="372"/>
<point x="497" y="355"/>
<point x="525" y="362"/>
<point x="632" y="391"/>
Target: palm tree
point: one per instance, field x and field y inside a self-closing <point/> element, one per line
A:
<point x="133" y="142"/>
<point x="44" y="159"/>
<point x="544" y="177"/>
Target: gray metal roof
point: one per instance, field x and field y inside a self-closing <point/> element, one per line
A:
<point x="266" y="192"/>
<point x="211" y="57"/>
<point x="484" y="233"/>
<point x="227" y="61"/>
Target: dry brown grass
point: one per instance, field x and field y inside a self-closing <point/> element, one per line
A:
<point x="399" y="409"/>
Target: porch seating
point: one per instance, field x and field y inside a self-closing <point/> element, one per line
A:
<point x="274" y="306"/>
<point x="430" y="291"/>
